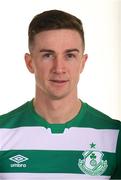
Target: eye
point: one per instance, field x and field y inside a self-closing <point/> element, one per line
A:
<point x="47" y="56"/>
<point x="70" y="56"/>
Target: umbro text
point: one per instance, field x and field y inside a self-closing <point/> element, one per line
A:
<point x="18" y="165"/>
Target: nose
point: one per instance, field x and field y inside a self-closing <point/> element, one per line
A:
<point x="59" y="65"/>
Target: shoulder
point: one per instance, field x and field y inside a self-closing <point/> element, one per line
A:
<point x="101" y="119"/>
<point x="16" y="111"/>
<point x="14" y="114"/>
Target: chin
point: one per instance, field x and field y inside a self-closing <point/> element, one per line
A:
<point x="58" y="96"/>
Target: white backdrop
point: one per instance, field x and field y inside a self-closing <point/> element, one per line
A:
<point x="99" y="84"/>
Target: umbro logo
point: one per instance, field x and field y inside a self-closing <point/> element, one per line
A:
<point x="18" y="158"/>
<point x="18" y="161"/>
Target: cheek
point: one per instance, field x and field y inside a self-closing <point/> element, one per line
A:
<point x="75" y="73"/>
<point x="75" y="70"/>
<point x="41" y="72"/>
<point x="38" y="68"/>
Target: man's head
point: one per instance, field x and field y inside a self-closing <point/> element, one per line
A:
<point x="53" y="20"/>
<point x="56" y="44"/>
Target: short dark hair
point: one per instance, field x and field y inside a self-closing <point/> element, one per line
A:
<point x="52" y="20"/>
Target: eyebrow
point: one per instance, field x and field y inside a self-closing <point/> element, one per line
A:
<point x="66" y="51"/>
<point x="46" y="50"/>
<point x="71" y="50"/>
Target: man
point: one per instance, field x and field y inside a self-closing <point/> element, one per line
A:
<point x="56" y="135"/>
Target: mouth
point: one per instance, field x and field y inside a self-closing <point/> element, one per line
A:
<point x="59" y="82"/>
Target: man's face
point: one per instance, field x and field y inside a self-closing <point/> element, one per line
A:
<point x="56" y="60"/>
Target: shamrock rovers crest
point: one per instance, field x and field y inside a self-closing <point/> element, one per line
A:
<point x="92" y="163"/>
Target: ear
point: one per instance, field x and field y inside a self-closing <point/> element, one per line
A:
<point x="28" y="61"/>
<point x="83" y="61"/>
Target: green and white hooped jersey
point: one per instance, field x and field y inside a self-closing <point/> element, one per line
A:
<point x="86" y="147"/>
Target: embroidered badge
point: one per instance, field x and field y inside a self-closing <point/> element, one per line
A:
<point x="92" y="163"/>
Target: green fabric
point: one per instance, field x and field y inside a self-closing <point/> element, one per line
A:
<point x="25" y="115"/>
<point x="49" y="161"/>
<point x="55" y="161"/>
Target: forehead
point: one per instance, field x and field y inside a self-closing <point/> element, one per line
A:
<point x="58" y="38"/>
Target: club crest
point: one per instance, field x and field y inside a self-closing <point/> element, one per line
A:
<point x="93" y="163"/>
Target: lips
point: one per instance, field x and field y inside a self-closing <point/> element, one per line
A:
<point x="59" y="81"/>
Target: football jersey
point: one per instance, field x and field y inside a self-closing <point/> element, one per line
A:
<point x="86" y="147"/>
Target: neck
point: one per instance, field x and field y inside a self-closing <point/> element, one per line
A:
<point x="57" y="111"/>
